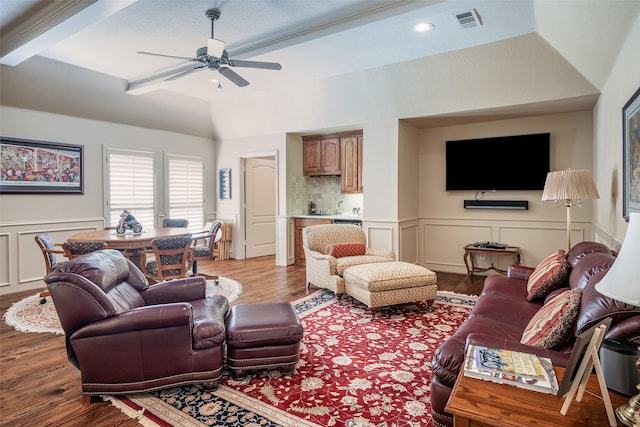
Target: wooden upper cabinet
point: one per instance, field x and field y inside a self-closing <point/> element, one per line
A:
<point x="331" y="156"/>
<point x="351" y="163"/>
<point x="321" y="156"/>
<point x="312" y="157"/>
<point x="335" y="154"/>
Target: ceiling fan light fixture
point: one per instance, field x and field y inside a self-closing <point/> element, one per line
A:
<point x="215" y="48"/>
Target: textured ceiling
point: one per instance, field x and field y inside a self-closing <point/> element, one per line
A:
<point x="97" y="57"/>
<point x="312" y="39"/>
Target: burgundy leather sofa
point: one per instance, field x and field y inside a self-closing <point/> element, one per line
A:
<point x="126" y="336"/>
<point x="503" y="312"/>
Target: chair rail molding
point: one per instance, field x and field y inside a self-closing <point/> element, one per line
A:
<point x="21" y="264"/>
<point x="442" y="240"/>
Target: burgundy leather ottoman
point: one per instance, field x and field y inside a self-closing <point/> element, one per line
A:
<point x="263" y="336"/>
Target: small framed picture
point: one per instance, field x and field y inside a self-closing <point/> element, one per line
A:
<point x="224" y="184"/>
<point x="631" y="155"/>
<point x="577" y="354"/>
<point x="40" y="167"/>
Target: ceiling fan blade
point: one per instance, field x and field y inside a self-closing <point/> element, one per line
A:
<point x="255" y="64"/>
<point x="168" y="56"/>
<point x="233" y="76"/>
<point x="184" y="73"/>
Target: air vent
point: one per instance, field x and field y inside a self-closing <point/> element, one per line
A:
<point x="468" y="19"/>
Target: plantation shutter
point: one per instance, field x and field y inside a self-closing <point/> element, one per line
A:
<point x="131" y="186"/>
<point x="186" y="190"/>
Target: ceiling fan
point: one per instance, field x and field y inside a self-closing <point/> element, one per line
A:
<point x="215" y="57"/>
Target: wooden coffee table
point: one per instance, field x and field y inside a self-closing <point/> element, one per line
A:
<point x="478" y="403"/>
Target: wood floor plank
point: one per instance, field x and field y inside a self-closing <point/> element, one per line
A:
<point x="40" y="387"/>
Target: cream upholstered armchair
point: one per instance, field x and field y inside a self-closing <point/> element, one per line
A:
<point x="330" y="249"/>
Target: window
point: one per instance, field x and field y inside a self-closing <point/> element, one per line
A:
<point x="130" y="186"/>
<point x="186" y="190"/>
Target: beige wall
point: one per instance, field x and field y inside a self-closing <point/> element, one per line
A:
<point x="622" y="83"/>
<point x="231" y="155"/>
<point x="445" y="226"/>
<point x="22" y="215"/>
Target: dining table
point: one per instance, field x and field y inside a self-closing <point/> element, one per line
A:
<point x="134" y="245"/>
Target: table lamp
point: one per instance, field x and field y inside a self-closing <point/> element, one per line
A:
<point x="569" y="188"/>
<point x="622" y="283"/>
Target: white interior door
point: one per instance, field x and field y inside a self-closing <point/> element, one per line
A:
<point x="260" y="207"/>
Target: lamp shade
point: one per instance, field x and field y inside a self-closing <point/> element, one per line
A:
<point x="570" y="185"/>
<point x="622" y="281"/>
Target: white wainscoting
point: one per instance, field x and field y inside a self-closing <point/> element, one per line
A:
<point x="409" y="242"/>
<point x="286" y="249"/>
<point x="5" y="259"/>
<point x="381" y="235"/>
<point x="442" y="241"/>
<point x="21" y="259"/>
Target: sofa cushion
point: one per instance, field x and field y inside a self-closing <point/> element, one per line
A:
<point x="497" y="284"/>
<point x="339" y="250"/>
<point x="594" y="264"/>
<point x="552" y="325"/>
<point x="547" y="275"/>
<point x="517" y="316"/>
<point x="582" y="249"/>
<point x="596" y="307"/>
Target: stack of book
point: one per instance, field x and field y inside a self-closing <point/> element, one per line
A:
<point x="511" y="367"/>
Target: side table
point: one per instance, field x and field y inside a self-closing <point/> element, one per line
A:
<point x="479" y="403"/>
<point x="470" y="251"/>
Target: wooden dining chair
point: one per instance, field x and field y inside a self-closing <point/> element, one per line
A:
<point x="203" y="244"/>
<point x="50" y="251"/>
<point x="175" y="222"/>
<point x="75" y="248"/>
<point x="172" y="258"/>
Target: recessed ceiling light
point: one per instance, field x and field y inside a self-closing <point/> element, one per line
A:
<point x="423" y="27"/>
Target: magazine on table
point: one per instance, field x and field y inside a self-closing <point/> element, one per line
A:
<point x="515" y="368"/>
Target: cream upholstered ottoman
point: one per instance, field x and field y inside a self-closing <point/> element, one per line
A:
<point x="388" y="283"/>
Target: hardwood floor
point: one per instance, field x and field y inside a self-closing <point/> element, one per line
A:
<point x="39" y="387"/>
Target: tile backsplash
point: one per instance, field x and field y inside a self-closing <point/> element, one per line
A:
<point x="325" y="192"/>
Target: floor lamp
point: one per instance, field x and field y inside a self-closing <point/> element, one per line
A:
<point x="621" y="283"/>
<point x="569" y="188"/>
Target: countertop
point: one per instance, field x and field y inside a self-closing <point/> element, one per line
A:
<point x="349" y="217"/>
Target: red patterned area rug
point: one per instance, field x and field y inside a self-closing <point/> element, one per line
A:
<point x="353" y="371"/>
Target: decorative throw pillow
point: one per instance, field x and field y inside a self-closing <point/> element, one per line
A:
<point x="339" y="250"/>
<point x="551" y="326"/>
<point x="547" y="275"/>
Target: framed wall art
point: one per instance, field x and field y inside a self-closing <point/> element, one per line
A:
<point x="631" y="155"/>
<point x="40" y="167"/>
<point x="224" y="184"/>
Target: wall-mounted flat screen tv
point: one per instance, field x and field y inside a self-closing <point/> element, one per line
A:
<point x="519" y="162"/>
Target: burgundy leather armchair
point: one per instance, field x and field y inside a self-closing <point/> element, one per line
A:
<point x="126" y="336"/>
<point x="503" y="312"/>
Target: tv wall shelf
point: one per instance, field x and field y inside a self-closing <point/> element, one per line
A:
<point x="497" y="204"/>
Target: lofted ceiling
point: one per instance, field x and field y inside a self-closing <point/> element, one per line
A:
<point x="94" y="48"/>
